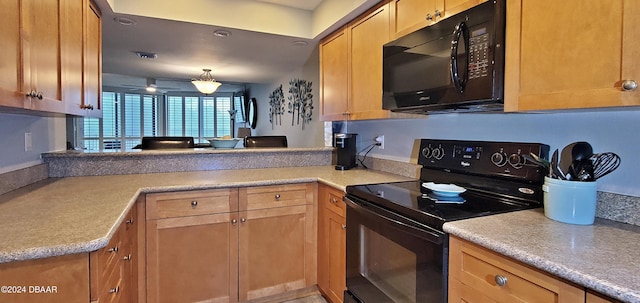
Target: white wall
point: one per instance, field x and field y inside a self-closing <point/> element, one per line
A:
<point x="313" y="133"/>
<point x="607" y="130"/>
<point x="47" y="134"/>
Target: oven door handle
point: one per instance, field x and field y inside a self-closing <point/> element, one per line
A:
<point x="431" y="236"/>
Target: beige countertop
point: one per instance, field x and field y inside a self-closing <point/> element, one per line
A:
<point x="60" y="216"/>
<point x="604" y="257"/>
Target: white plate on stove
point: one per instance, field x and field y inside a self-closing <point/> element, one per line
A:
<point x="446" y="190"/>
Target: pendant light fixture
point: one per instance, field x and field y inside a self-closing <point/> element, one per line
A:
<point x="206" y="84"/>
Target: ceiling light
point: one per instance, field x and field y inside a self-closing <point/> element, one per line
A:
<point x="222" y="33"/>
<point x="124" y="21"/>
<point x="146" y="55"/>
<point x="206" y="84"/>
<point x="151" y="85"/>
<point x="300" y="43"/>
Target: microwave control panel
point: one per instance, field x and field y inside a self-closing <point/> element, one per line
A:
<point x="479" y="53"/>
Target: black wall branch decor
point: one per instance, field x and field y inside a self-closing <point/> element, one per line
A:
<point x="300" y="101"/>
<point x="276" y="101"/>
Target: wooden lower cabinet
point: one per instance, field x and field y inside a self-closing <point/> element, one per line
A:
<point x="62" y="279"/>
<point x="597" y="298"/>
<point x="113" y="268"/>
<point x="230" y="245"/>
<point x="331" y="243"/>
<point x="480" y="275"/>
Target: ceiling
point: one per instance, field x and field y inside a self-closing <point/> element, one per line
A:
<point x="266" y="40"/>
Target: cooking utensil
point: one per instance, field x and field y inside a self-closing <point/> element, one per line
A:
<point x="566" y="158"/>
<point x="581" y="167"/>
<point x="537" y="161"/>
<point x="604" y="163"/>
<point x="555" y="172"/>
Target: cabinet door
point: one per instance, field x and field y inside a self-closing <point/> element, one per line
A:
<point x="483" y="276"/>
<point x="10" y="60"/>
<point x="276" y="251"/>
<point x="92" y="69"/>
<point x="331" y="243"/>
<point x="71" y="16"/>
<point x="41" y="54"/>
<point x="598" y="298"/>
<point x="192" y="259"/>
<point x="334" y="63"/>
<point x="452" y="7"/>
<point x="409" y="15"/>
<point x="564" y="58"/>
<point x="367" y="35"/>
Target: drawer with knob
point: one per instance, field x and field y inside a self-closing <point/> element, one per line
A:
<point x="263" y="197"/>
<point x="477" y="272"/>
<point x="188" y="203"/>
<point x="334" y="202"/>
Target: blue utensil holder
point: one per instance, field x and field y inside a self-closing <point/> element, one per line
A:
<point x="572" y="202"/>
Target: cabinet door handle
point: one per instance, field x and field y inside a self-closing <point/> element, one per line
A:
<point x="277" y="196"/>
<point x="429" y="17"/>
<point x="39" y="95"/>
<point x="194" y="203"/>
<point x="113" y="249"/>
<point x="334" y="200"/>
<point x="629" y="85"/>
<point x="344" y="226"/>
<point x="130" y="221"/>
<point x="500" y="280"/>
<point x="234" y="222"/>
<point x="242" y="220"/>
<point x="127" y="257"/>
<point x="437" y="13"/>
<point x="114" y="290"/>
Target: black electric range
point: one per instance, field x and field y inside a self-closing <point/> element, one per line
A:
<point x="496" y="176"/>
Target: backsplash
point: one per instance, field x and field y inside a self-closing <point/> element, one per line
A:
<point x="22" y="177"/>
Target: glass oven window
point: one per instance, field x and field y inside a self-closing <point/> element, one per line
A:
<point x="387" y="264"/>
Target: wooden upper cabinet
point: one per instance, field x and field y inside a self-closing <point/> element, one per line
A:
<point x="367" y="35"/>
<point x="51" y="58"/>
<point x="81" y="57"/>
<point x="41" y="54"/>
<point x="92" y="68"/>
<point x="334" y="79"/>
<point x="71" y="32"/>
<point x="10" y="59"/>
<point x="351" y="68"/>
<point x="571" y="54"/>
<point x="410" y="15"/>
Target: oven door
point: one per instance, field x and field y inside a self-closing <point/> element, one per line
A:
<point x="391" y="258"/>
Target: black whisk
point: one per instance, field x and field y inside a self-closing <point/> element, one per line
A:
<point x="604" y="163"/>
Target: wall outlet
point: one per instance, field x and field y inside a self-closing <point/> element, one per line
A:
<point x="28" y="144"/>
<point x="380" y="139"/>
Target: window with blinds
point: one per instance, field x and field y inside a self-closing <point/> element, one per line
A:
<point x="129" y="117"/>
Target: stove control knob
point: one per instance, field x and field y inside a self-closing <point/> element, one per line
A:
<point x="438" y="153"/>
<point x="499" y="158"/>
<point x="516" y="160"/>
<point x="426" y="152"/>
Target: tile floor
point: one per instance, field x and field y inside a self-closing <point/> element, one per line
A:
<point x="310" y="299"/>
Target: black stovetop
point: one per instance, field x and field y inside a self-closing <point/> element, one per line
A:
<point x="414" y="201"/>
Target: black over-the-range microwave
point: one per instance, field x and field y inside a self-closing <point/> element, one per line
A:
<point x="456" y="64"/>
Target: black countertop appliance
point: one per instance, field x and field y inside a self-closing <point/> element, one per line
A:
<point x="345" y="151"/>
